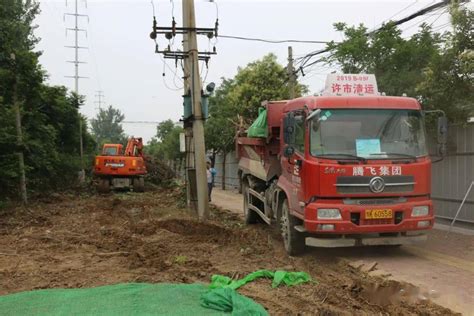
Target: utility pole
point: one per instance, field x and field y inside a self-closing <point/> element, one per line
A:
<point x="198" y="123"/>
<point x="188" y="127"/>
<point x="194" y="115"/>
<point x="291" y="73"/>
<point x="19" y="136"/>
<point x="100" y="97"/>
<point x="76" y="77"/>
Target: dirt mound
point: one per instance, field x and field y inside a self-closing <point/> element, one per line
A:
<point x="127" y="237"/>
<point x="158" y="172"/>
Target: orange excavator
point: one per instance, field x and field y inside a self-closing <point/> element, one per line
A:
<point x="116" y="170"/>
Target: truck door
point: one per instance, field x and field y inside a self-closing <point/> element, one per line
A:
<point x="292" y="165"/>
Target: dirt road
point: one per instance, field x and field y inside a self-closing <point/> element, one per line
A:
<point x="443" y="267"/>
<point x="85" y="240"/>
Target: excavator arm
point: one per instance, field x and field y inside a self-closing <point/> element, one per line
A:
<point x="134" y="147"/>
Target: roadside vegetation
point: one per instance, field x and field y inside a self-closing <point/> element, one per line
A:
<point x="434" y="67"/>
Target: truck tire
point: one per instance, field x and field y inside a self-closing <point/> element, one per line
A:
<point x="103" y="186"/>
<point x="292" y="239"/>
<point x="240" y="182"/>
<point x="139" y="184"/>
<point x="250" y="216"/>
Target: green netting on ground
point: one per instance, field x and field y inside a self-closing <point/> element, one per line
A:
<point x="218" y="298"/>
<point x="278" y="277"/>
<point x="131" y="299"/>
<point x="259" y="127"/>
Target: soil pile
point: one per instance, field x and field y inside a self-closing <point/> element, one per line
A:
<point x="84" y="241"/>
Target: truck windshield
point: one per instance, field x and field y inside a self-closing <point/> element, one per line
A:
<point x="367" y="133"/>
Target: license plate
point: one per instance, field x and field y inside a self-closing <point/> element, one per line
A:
<point x="378" y="214"/>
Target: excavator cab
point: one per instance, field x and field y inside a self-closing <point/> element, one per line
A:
<point x="112" y="150"/>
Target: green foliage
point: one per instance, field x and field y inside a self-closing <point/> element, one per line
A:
<point x="165" y="146"/>
<point x="107" y="127"/>
<point x="164" y="128"/>
<point x="49" y="115"/>
<point x="434" y="68"/>
<point x="220" y="128"/>
<point x="448" y="81"/>
<point x="261" y="80"/>
<point x="242" y="95"/>
<point x="397" y="63"/>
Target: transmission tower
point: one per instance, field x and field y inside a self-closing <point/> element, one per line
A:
<point x="100" y="99"/>
<point x="76" y="76"/>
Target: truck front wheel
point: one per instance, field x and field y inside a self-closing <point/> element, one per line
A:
<point x="250" y="216"/>
<point x="293" y="240"/>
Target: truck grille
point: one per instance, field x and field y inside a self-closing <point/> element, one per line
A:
<point x="360" y="185"/>
<point x="372" y="201"/>
<point x="385" y="221"/>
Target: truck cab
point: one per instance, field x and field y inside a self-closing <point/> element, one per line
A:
<point x="351" y="170"/>
<point x="356" y="165"/>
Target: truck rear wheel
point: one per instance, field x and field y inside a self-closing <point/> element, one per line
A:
<point x="103" y="186"/>
<point x="250" y="216"/>
<point x="139" y="184"/>
<point x="293" y="240"/>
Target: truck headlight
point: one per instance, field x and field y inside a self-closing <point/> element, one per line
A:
<point x="329" y="213"/>
<point x="422" y="210"/>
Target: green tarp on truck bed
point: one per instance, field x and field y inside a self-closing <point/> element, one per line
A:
<point x="259" y="127"/>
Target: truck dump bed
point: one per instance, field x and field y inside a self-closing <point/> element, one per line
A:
<point x="259" y="156"/>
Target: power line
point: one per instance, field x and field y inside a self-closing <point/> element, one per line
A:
<point x="405" y="8"/>
<point x="424" y="11"/>
<point x="272" y="41"/>
<point x="140" y="122"/>
<point x="426" y="18"/>
<point x="303" y="61"/>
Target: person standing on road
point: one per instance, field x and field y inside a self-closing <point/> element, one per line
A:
<point x="211" y="174"/>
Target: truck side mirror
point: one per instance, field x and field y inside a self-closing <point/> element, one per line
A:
<point x="289" y="129"/>
<point x="442" y="135"/>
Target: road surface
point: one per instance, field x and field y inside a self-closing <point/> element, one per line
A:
<point x="442" y="268"/>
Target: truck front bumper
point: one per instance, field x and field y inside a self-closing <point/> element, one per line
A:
<point x="353" y="219"/>
<point x="364" y="241"/>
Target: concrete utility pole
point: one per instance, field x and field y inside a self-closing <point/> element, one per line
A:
<point x="194" y="83"/>
<point x="188" y="128"/>
<point x="19" y="136"/>
<point x="291" y="73"/>
<point x="76" y="77"/>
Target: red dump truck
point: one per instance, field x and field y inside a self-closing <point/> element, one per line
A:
<point x="347" y="168"/>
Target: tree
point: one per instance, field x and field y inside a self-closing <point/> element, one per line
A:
<point x="49" y="115"/>
<point x="242" y="96"/>
<point x="165" y="145"/>
<point x="448" y="81"/>
<point x="434" y="68"/>
<point x="396" y="62"/>
<point x="164" y="128"/>
<point x="107" y="127"/>
<point x="260" y="80"/>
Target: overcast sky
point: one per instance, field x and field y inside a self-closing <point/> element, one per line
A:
<point x="121" y="60"/>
